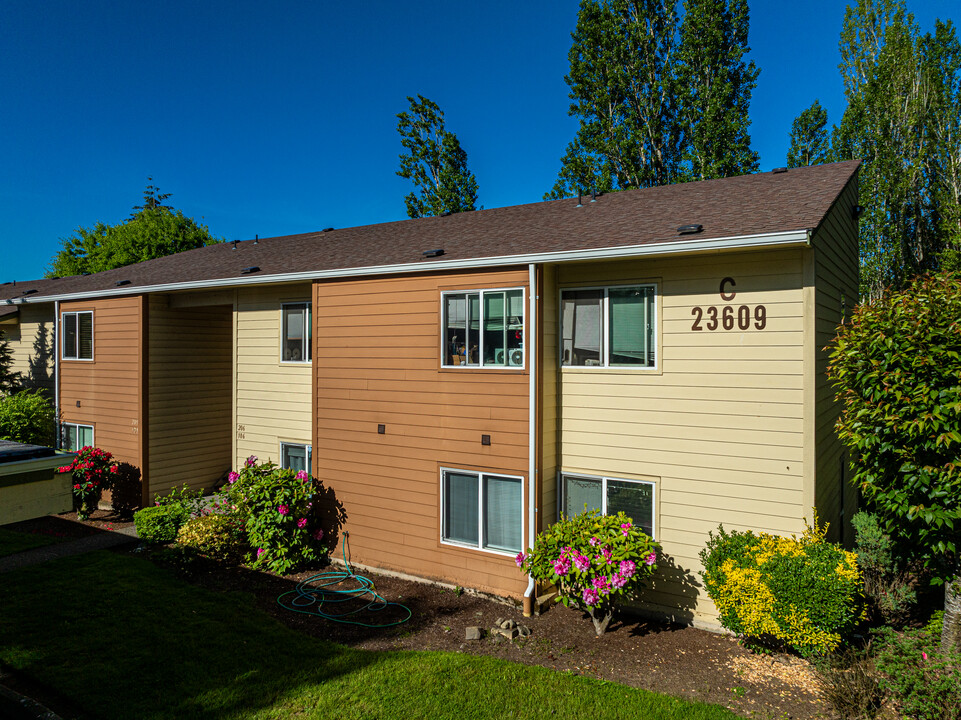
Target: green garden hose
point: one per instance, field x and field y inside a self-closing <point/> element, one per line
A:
<point x="315" y="596"/>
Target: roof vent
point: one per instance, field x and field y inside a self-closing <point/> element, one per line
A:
<point x="122" y="282"/>
<point x="433" y="253"/>
<point x="689" y="229"/>
<point x="257" y="239"/>
<point x="327" y="229"/>
<point x="31" y="291"/>
<point x="779" y="170"/>
<point x="234" y="242"/>
<point x="250" y="269"/>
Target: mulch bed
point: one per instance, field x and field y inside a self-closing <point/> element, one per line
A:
<point x="671" y="659"/>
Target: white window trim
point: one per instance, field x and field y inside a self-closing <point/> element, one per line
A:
<point x="307" y="447"/>
<point x="308" y="332"/>
<point x="480" y="511"/>
<point x="562" y="493"/>
<point x="480" y="349"/>
<point x="77" y="348"/>
<point x="606" y="329"/>
<point x="64" y="425"/>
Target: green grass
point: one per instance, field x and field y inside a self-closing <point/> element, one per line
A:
<point x="121" y="638"/>
<point x="13" y="542"/>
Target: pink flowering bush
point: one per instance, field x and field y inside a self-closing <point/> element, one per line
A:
<point x="93" y="472"/>
<point x="277" y="509"/>
<point x="595" y="561"/>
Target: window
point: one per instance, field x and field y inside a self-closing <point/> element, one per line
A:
<point x="484" y="328"/>
<point x="610" y="495"/>
<point x="75" y="437"/>
<point x="608" y="327"/>
<point x="482" y="511"/>
<point x="296" y="332"/>
<point x="76" y="335"/>
<point x="295" y="457"/>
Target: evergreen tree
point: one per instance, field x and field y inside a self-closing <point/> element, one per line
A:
<point x="153" y="231"/>
<point x="809" y="138"/>
<point x="9" y="380"/>
<point x="434" y="161"/>
<point x="622" y="90"/>
<point x="715" y="85"/>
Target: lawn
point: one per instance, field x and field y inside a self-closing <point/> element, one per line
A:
<point x="120" y="637"/>
<point x="13" y="542"/>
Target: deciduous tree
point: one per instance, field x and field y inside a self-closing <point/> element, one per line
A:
<point x="809" y="138"/>
<point x="434" y="161"/>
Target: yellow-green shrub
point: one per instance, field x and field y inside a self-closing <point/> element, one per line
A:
<point x="802" y="593"/>
<point x="220" y="537"/>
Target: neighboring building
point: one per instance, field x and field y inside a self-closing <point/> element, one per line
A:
<point x="458" y="381"/>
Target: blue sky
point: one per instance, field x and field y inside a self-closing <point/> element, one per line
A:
<point x="277" y="118"/>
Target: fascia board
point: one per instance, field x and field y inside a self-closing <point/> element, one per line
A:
<point x="791" y="237"/>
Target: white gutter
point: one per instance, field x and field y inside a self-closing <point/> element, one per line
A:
<point x="792" y="237"/>
<point x="56" y="371"/>
<point x="531" y="422"/>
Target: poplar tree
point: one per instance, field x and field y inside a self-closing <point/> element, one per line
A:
<point x="434" y="161"/>
<point x="715" y="84"/>
<point x="809" y="138"/>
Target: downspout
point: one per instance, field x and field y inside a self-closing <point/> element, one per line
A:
<point x="56" y="371"/>
<point x="532" y="430"/>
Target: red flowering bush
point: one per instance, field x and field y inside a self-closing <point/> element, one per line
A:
<point x="594" y="560"/>
<point x="93" y="472"/>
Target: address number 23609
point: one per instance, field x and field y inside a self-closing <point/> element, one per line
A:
<point x="727" y="316"/>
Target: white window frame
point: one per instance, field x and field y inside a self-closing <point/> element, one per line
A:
<point x="479" y="365"/>
<point x="307" y="447"/>
<point x="562" y="493"/>
<point x="308" y="339"/>
<point x="479" y="546"/>
<point x="606" y="327"/>
<point x="65" y="425"/>
<point x="76" y="348"/>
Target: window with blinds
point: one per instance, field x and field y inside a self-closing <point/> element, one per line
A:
<point x="608" y="327"/>
<point x="609" y="496"/>
<point x="295" y="345"/>
<point x="482" y="510"/>
<point x="76" y="335"/>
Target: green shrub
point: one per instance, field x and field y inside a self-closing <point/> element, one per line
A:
<point x="801" y="593"/>
<point x="277" y="509"/>
<point x="925" y="681"/>
<point x="888" y="585"/>
<point x="28" y="417"/>
<point x="160" y="523"/>
<point x="192" y="501"/>
<point x="596" y="561"/>
<point x="221" y="537"/>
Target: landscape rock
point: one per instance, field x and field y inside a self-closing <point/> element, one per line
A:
<point x="474" y="633"/>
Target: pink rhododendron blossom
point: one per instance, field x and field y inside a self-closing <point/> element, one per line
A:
<point x="260" y="551"/>
<point x="233" y="477"/>
<point x="627" y="568"/>
<point x="562" y="565"/>
<point x="302" y="523"/>
<point x="581" y="562"/>
<point x="302" y="476"/>
<point x="594" y="541"/>
<point x="319" y="535"/>
<point x="625" y="526"/>
<point x="250" y="461"/>
<point x="283" y="509"/>
<point x="650" y="559"/>
<point x="590" y="597"/>
<point x="520" y="559"/>
<point x="606" y="554"/>
<point x="602" y="584"/>
<point x="924" y="655"/>
<point x="618" y="580"/>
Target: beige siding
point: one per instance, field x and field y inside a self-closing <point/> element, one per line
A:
<point x="31" y="341"/>
<point x="189" y="395"/>
<point x="549" y="427"/>
<point x="272" y="399"/>
<point x="377" y="361"/>
<point x="718" y="425"/>
<point x="836" y="291"/>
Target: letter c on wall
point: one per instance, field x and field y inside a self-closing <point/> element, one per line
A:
<point x="727" y="296"/>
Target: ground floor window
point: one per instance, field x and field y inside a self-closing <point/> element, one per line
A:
<point x="74" y="437"/>
<point x="482" y="510"/>
<point x="609" y="495"/>
<point x="295" y="456"/>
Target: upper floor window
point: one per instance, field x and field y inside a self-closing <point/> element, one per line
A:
<point x="608" y="326"/>
<point x="610" y="496"/>
<point x="296" y="333"/>
<point x="76" y="335"/>
<point x="484" y="328"/>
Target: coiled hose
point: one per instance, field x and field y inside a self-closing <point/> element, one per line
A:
<point x="315" y="596"/>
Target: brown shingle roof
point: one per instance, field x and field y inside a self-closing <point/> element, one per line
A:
<point x="757" y="204"/>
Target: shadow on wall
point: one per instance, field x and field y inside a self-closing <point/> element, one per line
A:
<point x="126" y="494"/>
<point x="676" y="586"/>
<point x="40" y="374"/>
<point x="331" y="516"/>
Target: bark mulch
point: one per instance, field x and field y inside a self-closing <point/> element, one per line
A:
<point x="676" y="660"/>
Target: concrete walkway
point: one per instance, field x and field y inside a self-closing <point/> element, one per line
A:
<point x="100" y="541"/>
